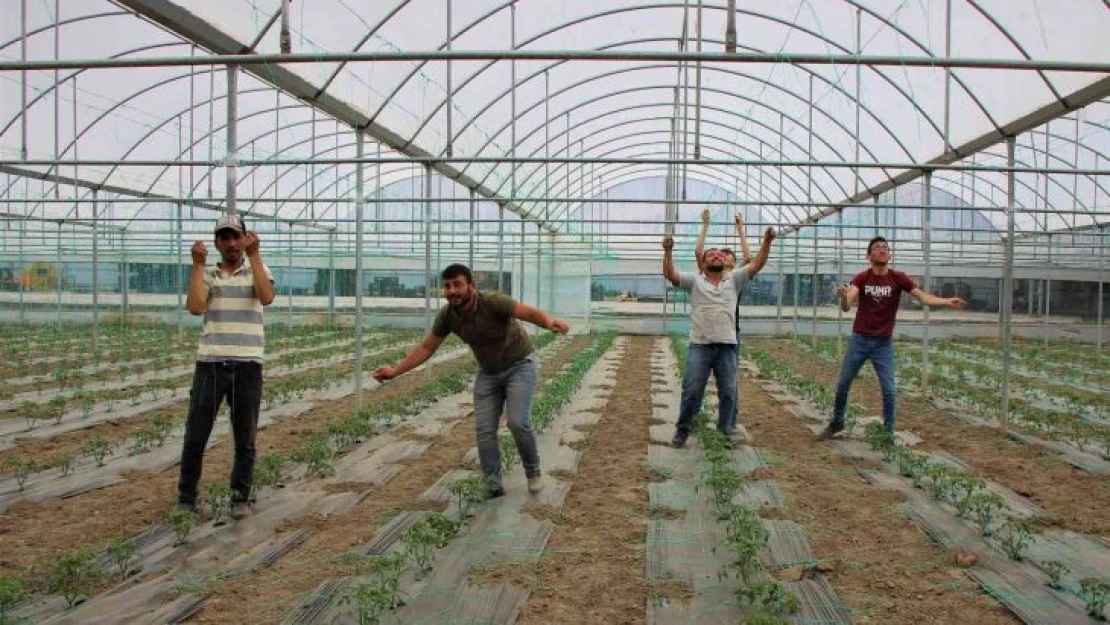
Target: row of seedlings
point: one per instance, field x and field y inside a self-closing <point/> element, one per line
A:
<point x="762" y="600"/>
<point x="971" y="496"/>
<point x="374" y="590"/>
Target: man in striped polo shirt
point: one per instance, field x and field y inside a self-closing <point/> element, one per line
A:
<point x="229" y="357"/>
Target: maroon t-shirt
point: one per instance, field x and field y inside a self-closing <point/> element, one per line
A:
<point x="879" y="297"/>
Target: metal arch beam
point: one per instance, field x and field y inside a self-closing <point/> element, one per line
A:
<point x="706" y="106"/>
<point x="610" y="13"/>
<point x="667" y="132"/>
<point x="177" y="20"/>
<point x="768" y="83"/>
<point x="1017" y="46"/>
<point x="1077" y="100"/>
<point x="876" y="119"/>
<point x="66" y="22"/>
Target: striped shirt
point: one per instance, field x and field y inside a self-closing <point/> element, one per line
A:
<point x="233" y="319"/>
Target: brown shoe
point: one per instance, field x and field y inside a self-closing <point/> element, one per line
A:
<point x="831" y="430"/>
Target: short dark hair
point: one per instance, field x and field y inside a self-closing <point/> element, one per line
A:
<point x="456" y="270"/>
<point x="875" y="240"/>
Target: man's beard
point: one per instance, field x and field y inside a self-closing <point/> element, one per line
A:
<point x="464" y="299"/>
<point x="715" y="268"/>
<point x="881" y="263"/>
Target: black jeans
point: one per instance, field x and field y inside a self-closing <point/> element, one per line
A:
<point x="240" y="383"/>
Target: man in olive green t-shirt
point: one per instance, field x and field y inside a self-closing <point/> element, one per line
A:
<point x="506" y="380"/>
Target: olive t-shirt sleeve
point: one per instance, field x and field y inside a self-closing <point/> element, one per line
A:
<point x="500" y="304"/>
<point x="439" y="326"/>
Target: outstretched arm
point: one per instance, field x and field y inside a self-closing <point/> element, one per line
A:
<point x="760" y="260"/>
<point x="699" y="247"/>
<point x="928" y="299"/>
<point x="669" y="272"/>
<point x="415" y="358"/>
<point x="540" y="318"/>
<point x="745" y="251"/>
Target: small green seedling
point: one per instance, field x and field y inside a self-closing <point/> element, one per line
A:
<point x="1096" y="594"/>
<point x="468" y="492"/>
<point x="73" y="575"/>
<point x="13" y="590"/>
<point x="984" y="507"/>
<point x="65" y="463"/>
<point x="509" y="454"/>
<point x="769" y="596"/>
<point x="121" y="553"/>
<point x="97" y="448"/>
<point x="182" y="522"/>
<point x="218" y="498"/>
<point x="1056" y="571"/>
<point x="1016" y="534"/>
<point x="317" y="454"/>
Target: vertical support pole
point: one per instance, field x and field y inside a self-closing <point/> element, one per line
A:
<point x="797" y="285"/>
<point x="778" y="258"/>
<point x="470" y="235"/>
<point x="211" y="124"/>
<point x="23" y="84"/>
<point x="813" y="288"/>
<point x="450" y="149"/>
<point x="331" y="280"/>
<point x="1101" y="280"/>
<point x="232" y="145"/>
<point x="95" y="277"/>
<point x="859" y="79"/>
<point x="56" y="92"/>
<point x="23" y="273"/>
<point x="1008" y="286"/>
<point x="359" y="205"/>
<point x="697" y="91"/>
<point x="178" y="287"/>
<point x="428" y="281"/>
<point x="839" y="275"/>
<point x="521" y="290"/>
<point x="286" y="41"/>
<point x="61" y="273"/>
<point x="289" y="280"/>
<point x="948" y="75"/>
<point x="125" y="278"/>
<point x="512" y="138"/>
<point x="539" y="264"/>
<point x="730" y="28"/>
<point x="927" y="244"/>
<point x="501" y="248"/>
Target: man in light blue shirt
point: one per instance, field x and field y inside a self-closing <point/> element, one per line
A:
<point x="713" y="298"/>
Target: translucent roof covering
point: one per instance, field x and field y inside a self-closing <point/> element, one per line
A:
<point x="637" y="110"/>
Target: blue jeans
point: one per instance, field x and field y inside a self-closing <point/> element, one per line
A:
<point x="720" y="359"/>
<point x="880" y="351"/>
<point x="511" y="390"/>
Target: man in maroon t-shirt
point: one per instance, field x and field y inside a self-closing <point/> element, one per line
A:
<point x="879" y="292"/>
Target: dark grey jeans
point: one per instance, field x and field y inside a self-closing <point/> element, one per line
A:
<point x="511" y="391"/>
<point x="240" y="383"/>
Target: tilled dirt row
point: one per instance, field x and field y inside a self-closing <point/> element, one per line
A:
<point x="1077" y="500"/>
<point x="885" y="569"/>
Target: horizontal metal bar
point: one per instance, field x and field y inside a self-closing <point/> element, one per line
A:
<point x="430" y="160"/>
<point x="1094" y="210"/>
<point x="796" y="58"/>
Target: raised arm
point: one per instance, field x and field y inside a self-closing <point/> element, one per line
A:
<point x="669" y="272"/>
<point x="847" y="294"/>
<point x="745" y="251"/>
<point x="540" y="318"/>
<point x="413" y="359"/>
<point x="756" y="265"/>
<point x="699" y="247"/>
<point x="263" y="285"/>
<point x="928" y="299"/>
<point x="196" y="300"/>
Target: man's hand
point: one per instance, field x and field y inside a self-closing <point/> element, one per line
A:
<point x="200" y="253"/>
<point x="250" y="243"/>
<point x="955" y="303"/>
<point x="739" y="221"/>
<point x="668" y="243"/>
<point x="560" y="326"/>
<point x="769" y="235"/>
<point x="705" y="217"/>
<point x="383" y="374"/>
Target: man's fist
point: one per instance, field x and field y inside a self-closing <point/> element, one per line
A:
<point x="739" y="221"/>
<point x="841" y="290"/>
<point x="200" y="253"/>
<point x="668" y="243"/>
<point x="770" y="234"/>
<point x="383" y="374"/>
<point x="560" y="326"/>
<point x="956" y="303"/>
<point x="250" y="243"/>
<point x="705" y="216"/>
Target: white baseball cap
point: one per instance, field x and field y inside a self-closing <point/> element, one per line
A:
<point x="231" y="221"/>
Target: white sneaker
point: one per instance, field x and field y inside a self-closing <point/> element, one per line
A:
<point x="535" y="484"/>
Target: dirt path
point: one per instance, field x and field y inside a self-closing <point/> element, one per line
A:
<point x="884" y="568"/>
<point x="1078" y="500"/>
<point x="593" y="568"/>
